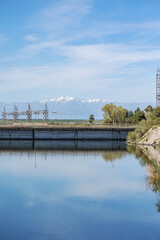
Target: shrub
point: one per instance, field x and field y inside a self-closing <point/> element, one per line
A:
<point x="155" y="142"/>
<point x="131" y="137"/>
<point x="139" y="133"/>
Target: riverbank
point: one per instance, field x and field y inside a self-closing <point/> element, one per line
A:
<point x="151" y="137"/>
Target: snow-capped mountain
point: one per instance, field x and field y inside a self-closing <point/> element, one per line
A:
<point x="71" y="107"/>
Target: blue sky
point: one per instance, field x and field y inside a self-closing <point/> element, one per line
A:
<point x="82" y="48"/>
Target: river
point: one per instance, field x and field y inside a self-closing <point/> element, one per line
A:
<point x="77" y="191"/>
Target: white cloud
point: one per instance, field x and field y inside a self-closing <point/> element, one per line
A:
<point x="74" y="170"/>
<point x="31" y="38"/>
<point x="56" y="59"/>
<point x="70" y="20"/>
<point x="110" y="28"/>
<point x="61" y="15"/>
<point x="84" y="65"/>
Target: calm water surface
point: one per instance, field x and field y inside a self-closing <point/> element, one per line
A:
<point x="76" y="194"/>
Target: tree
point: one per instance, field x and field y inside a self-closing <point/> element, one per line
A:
<point x="148" y="109"/>
<point x="114" y="114"/>
<point x="91" y="118"/>
<point x="138" y="115"/>
<point x="129" y="114"/>
<point x="156" y="112"/>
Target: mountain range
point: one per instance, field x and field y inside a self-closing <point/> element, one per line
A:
<point x="71" y="107"/>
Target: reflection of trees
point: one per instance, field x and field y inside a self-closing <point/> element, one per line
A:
<point x="111" y="156"/>
<point x="153" y="180"/>
<point x="158" y="206"/>
<point x="139" y="154"/>
<point x="149" y="157"/>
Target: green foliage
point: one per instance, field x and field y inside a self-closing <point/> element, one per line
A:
<point x="114" y="114"/>
<point x="143" y="127"/>
<point x="145" y="120"/>
<point x="129" y="114"/>
<point x="117" y="114"/>
<point x="148" y="109"/>
<point x="138" y="116"/>
<point x="91" y="118"/>
<point x="156" y="113"/>
<point x="154" y="143"/>
<point x="139" y="132"/>
<point x="151" y="119"/>
<point x="131" y="137"/>
<point x="157" y="121"/>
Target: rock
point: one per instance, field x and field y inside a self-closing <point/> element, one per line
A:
<point x="152" y="137"/>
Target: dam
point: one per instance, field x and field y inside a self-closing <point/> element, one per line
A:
<point x="64" y="133"/>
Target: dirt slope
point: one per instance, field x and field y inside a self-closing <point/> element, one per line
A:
<point x="152" y="137"/>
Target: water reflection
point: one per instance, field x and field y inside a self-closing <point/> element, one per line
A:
<point x="61" y="145"/>
<point x="112" y="156"/>
<point x="150" y="157"/>
<point x="139" y="154"/>
<point x="70" y="190"/>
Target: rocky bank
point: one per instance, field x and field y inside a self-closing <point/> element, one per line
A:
<point x="152" y="137"/>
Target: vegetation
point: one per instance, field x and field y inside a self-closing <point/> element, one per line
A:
<point x="91" y="118"/>
<point x="145" y="120"/>
<point x="150" y="119"/>
<point x="116" y="114"/>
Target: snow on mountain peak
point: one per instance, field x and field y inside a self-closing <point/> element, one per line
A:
<point x="62" y="99"/>
<point x="69" y="99"/>
<point x="94" y="100"/>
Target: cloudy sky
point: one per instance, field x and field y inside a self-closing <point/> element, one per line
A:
<point x="107" y="49"/>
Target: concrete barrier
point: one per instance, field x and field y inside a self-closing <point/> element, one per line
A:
<point x="64" y="133"/>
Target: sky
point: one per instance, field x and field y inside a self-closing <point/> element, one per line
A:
<point x="107" y="49"/>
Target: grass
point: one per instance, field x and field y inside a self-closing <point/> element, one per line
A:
<point x="68" y="123"/>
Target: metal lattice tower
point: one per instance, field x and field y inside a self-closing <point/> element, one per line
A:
<point x="45" y="113"/>
<point x="29" y="113"/>
<point x="158" y="87"/>
<point x="4" y="114"/>
<point x="15" y="114"/>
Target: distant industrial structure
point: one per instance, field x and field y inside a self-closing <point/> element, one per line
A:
<point x="28" y="113"/>
<point x="158" y="87"/>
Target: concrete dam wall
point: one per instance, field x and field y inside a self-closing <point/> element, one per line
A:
<point x="64" y="133"/>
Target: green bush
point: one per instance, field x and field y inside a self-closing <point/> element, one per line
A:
<point x="131" y="137"/>
<point x="139" y="133"/>
<point x="154" y="143"/>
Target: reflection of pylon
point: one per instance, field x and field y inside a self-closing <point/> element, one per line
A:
<point x="29" y="113"/>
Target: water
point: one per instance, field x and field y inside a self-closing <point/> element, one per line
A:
<point x="75" y="192"/>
